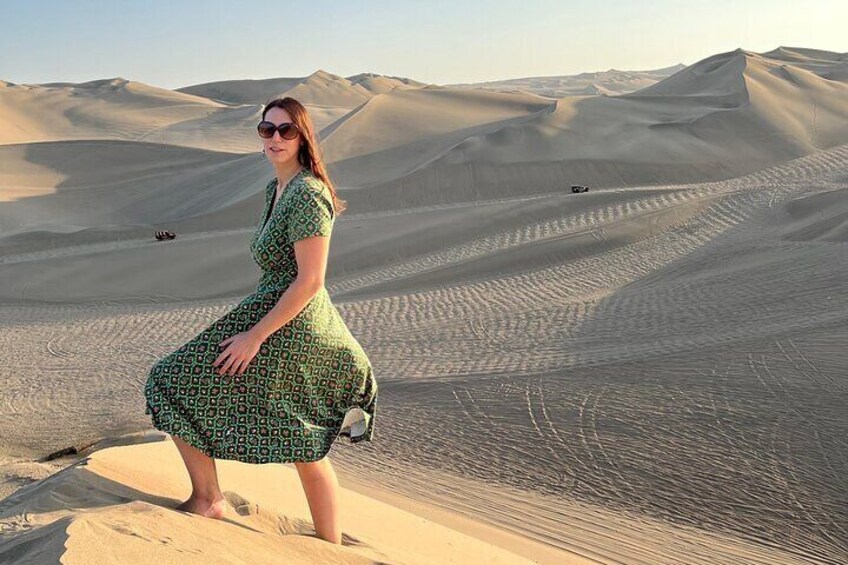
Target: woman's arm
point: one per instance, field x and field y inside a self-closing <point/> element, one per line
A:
<point x="310" y="223"/>
<point x="311" y="254"/>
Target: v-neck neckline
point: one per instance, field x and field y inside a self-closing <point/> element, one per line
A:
<point x="273" y="205"/>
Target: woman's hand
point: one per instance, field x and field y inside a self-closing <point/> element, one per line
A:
<point x="242" y="348"/>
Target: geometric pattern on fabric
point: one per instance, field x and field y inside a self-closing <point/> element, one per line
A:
<point x="310" y="383"/>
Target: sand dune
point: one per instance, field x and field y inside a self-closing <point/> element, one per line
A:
<point x="609" y="83"/>
<point x="319" y="89"/>
<point x="723" y="117"/>
<point x="369" y="145"/>
<point x="649" y="372"/>
<point x="120" y="109"/>
<point x="378" y="84"/>
<point x="116" y="506"/>
<point x="117" y="108"/>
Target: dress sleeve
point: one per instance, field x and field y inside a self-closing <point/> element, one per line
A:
<point x="311" y="213"/>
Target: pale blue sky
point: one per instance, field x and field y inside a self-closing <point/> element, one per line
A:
<point x="178" y="43"/>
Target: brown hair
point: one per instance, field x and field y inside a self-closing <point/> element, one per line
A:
<point x="310" y="151"/>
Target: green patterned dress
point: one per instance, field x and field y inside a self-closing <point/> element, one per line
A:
<point x="309" y="383"/>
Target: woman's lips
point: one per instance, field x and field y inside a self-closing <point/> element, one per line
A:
<point x="275" y="150"/>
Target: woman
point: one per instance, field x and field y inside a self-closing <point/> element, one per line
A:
<point x="279" y="377"/>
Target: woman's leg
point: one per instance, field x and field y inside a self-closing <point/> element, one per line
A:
<point x="206" y="498"/>
<point x="322" y="492"/>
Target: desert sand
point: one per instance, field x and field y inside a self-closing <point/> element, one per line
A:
<point x="117" y="506"/>
<point x="649" y="372"/>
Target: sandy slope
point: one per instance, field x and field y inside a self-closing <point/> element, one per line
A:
<point x="95" y="185"/>
<point x="116" y="506"/>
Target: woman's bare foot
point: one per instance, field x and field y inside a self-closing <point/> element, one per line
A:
<point x="214" y="509"/>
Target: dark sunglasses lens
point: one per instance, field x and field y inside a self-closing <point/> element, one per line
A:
<point x="288" y="131"/>
<point x="266" y="129"/>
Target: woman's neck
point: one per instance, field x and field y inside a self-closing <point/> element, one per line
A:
<point x="286" y="172"/>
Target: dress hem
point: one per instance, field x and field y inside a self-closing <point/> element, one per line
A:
<point x="215" y="454"/>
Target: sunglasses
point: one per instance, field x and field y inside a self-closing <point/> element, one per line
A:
<point x="287" y="130"/>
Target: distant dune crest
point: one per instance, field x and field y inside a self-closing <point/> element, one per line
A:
<point x="610" y="83"/>
<point x="320" y="86"/>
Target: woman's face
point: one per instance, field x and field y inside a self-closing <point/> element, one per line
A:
<point x="277" y="149"/>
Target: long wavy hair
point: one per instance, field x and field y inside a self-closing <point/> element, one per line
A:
<point x="309" y="154"/>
